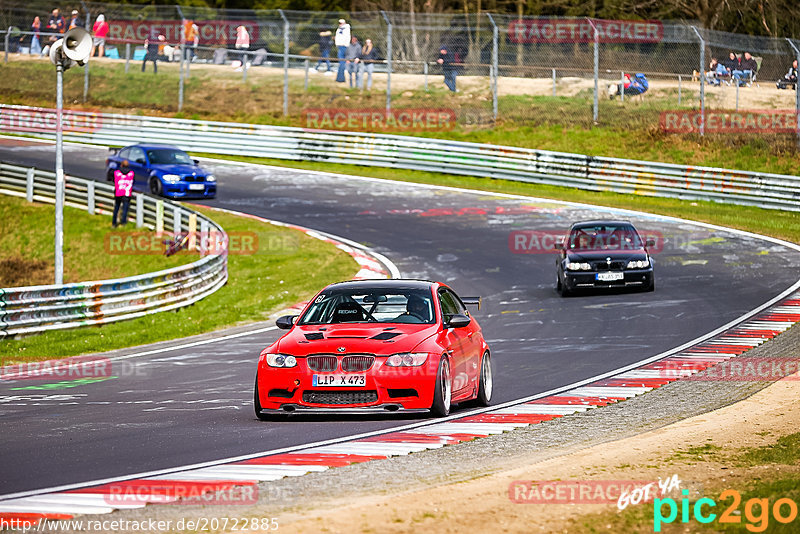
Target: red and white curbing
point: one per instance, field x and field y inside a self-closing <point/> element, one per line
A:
<point x="99" y="499"/>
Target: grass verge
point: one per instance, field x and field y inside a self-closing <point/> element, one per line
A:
<point x="286" y="268"/>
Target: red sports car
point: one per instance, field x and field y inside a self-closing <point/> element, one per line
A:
<point x="376" y="347"/>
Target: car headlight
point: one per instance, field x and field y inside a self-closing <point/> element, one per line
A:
<point x="407" y="359"/>
<point x="211" y="178"/>
<point x="171" y="178"/>
<point x="638" y="264"/>
<point x="575" y="266"/>
<point x="281" y="360"/>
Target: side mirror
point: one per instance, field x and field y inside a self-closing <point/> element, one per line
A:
<point x="286" y="322"/>
<point x="650" y="242"/>
<point x="458" y="321"/>
<point x="196" y="161"/>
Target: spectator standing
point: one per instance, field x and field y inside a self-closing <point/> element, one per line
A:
<point x="449" y="69"/>
<point x="100" y="31"/>
<point x="324" y="50"/>
<point x="55" y="24"/>
<point x="747" y="69"/>
<point x="74" y="20"/>
<point x="192" y="38"/>
<point x="351" y="58"/>
<point x="151" y="47"/>
<point x="342" y="41"/>
<point x="36" y="45"/>
<point x="369" y="54"/>
<point x="242" y="42"/>
<point x="123" y="187"/>
<point x="790" y="78"/>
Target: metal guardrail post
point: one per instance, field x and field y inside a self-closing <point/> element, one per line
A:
<point x="7" y="43"/>
<point x="388" y="61"/>
<point x="596" y="103"/>
<point x="305" y="66"/>
<point x="90" y="197"/>
<point x="702" y="82"/>
<point x="127" y="56"/>
<point x="425" y="73"/>
<point x="495" y="66"/>
<point x="679" y="89"/>
<point x="622" y="87"/>
<point x="139" y="210"/>
<point x="29" y="184"/>
<point x="245" y="63"/>
<point x="285" y="64"/>
<point x="554" y="82"/>
<point x="176" y="220"/>
<point x="796" y="93"/>
<point x="159" y="216"/>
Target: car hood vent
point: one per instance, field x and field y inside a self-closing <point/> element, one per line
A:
<point x="383" y="336"/>
<point x="313" y="336"/>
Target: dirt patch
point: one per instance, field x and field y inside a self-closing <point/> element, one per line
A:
<point x="17" y="271"/>
<point x="483" y="504"/>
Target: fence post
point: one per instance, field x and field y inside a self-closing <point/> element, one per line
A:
<point x="176" y="220"/>
<point x="702" y="82"/>
<point x="90" y="197"/>
<point x="737" y="95"/>
<point x="305" y="66"/>
<point x="679" y="89"/>
<point x="388" y="62"/>
<point x="495" y="66"/>
<point x="192" y="231"/>
<point x="285" y="64"/>
<point x="139" y="210"/>
<point x="622" y="87"/>
<point x="425" y="72"/>
<point x="8" y="34"/>
<point x="554" y="82"/>
<point x="159" y="216"/>
<point x="204" y="237"/>
<point x="86" y="27"/>
<point x="180" y="82"/>
<point x="796" y="93"/>
<point x="127" y="56"/>
<point x="244" y="66"/>
<point x="596" y="103"/>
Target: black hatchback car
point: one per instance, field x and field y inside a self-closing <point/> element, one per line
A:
<point x="604" y="254"/>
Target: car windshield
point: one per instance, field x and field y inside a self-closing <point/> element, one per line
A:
<point x="368" y="305"/>
<point x="169" y="156"/>
<point x="604" y="237"/>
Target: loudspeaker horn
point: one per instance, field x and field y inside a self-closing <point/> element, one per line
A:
<point x="55" y="52"/>
<point x="77" y="45"/>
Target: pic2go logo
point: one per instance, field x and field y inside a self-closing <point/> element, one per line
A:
<point x="756" y="511"/>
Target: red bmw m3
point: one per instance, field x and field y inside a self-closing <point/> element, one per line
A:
<point x="376" y="347"/>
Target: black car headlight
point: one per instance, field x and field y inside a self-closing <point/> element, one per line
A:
<point x="280" y="360"/>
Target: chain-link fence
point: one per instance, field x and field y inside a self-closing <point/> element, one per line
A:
<point x="302" y="66"/>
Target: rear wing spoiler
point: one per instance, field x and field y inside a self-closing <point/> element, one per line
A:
<point x="472" y="301"/>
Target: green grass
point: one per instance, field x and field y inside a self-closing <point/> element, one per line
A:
<point x="27" y="252"/>
<point x="287" y="268"/>
<point x="785" y="451"/>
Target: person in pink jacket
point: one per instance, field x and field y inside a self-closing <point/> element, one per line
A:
<point x="123" y="186"/>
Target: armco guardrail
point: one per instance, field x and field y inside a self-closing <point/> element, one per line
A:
<point x="25" y="310"/>
<point x="404" y="152"/>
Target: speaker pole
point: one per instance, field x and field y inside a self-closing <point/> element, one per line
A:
<point x="59" y="238"/>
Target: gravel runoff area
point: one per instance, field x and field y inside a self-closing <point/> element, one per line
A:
<point x="298" y="498"/>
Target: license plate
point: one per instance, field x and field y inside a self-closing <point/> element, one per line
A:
<point x="339" y="381"/>
<point x="197" y="187"/>
<point x="609" y="277"/>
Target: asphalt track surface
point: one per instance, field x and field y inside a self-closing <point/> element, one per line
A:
<point x="192" y="405"/>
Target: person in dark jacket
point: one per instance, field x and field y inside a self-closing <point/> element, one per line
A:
<point x="366" y="63"/>
<point x="447" y="60"/>
<point x="747" y="70"/>
<point x="151" y="46"/>
<point x="731" y="63"/>
<point x="324" y="50"/>
<point x="55" y="24"/>
<point x="790" y="78"/>
<point x="351" y="59"/>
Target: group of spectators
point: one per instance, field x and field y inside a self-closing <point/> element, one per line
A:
<point x="57" y="26"/>
<point x="741" y="70"/>
<point x="354" y="58"/>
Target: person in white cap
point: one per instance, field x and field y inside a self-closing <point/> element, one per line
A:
<point x="342" y="41"/>
<point x="75" y="21"/>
